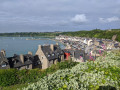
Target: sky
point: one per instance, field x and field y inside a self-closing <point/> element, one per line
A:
<point x="58" y="15"/>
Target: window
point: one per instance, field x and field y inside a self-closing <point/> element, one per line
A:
<point x="4" y="65"/>
<point x="27" y="67"/>
<point x="48" y="55"/>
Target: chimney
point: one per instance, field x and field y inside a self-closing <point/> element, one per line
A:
<point x="4" y="53"/>
<point x="39" y="46"/>
<point x="30" y="53"/>
<point x="52" y="47"/>
<point x="22" y="58"/>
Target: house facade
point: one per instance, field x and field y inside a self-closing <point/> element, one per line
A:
<point x="49" y="54"/>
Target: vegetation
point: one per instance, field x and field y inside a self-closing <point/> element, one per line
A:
<point x="30" y="34"/>
<point x="97" y="33"/>
<point x="10" y="77"/>
<point x="102" y="74"/>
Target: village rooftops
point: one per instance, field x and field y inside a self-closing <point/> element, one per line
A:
<point x="21" y="60"/>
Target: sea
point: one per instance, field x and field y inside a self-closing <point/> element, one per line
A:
<point x="21" y="45"/>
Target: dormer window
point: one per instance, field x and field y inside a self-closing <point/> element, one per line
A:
<point x="4" y="64"/>
<point x="48" y="55"/>
<point x="53" y="54"/>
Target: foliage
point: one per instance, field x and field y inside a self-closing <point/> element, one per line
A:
<point x="97" y="33"/>
<point x="104" y="73"/>
<point x="8" y="77"/>
<point x="13" y="76"/>
<point x="29" y="34"/>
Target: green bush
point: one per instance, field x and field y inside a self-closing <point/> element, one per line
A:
<point x="8" y="77"/>
<point x="12" y="76"/>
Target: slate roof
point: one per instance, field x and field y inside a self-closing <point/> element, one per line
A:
<point x="17" y="61"/>
<point x="78" y="53"/>
<point x="52" y="55"/>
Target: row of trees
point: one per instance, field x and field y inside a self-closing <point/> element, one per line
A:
<point x="30" y="34"/>
<point x="97" y="33"/>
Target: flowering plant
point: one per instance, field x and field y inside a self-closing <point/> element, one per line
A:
<point x="84" y="76"/>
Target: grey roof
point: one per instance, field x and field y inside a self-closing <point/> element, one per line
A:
<point x="78" y="53"/>
<point x="27" y="60"/>
<point x="52" y="55"/>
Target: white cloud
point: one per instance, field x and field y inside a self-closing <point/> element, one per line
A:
<point x="79" y="18"/>
<point x="111" y="19"/>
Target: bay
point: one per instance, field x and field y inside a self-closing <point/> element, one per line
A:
<point x="21" y="45"/>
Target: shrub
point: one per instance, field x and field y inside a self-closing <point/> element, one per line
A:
<point x="104" y="73"/>
<point x="8" y="77"/>
<point x="12" y="76"/>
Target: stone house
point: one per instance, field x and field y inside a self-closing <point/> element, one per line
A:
<point x="24" y="61"/>
<point x="4" y="64"/>
<point x="49" y="54"/>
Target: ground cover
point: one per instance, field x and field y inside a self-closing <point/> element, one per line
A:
<point x="102" y="74"/>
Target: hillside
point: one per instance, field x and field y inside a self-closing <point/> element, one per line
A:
<point x="102" y="74"/>
<point x="107" y="34"/>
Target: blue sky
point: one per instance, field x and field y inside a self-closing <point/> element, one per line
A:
<point x="58" y="15"/>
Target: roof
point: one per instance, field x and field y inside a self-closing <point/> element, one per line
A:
<point x="18" y="63"/>
<point x="78" y="53"/>
<point x="51" y="55"/>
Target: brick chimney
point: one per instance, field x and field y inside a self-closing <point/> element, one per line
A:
<point x="30" y="53"/>
<point x="52" y="47"/>
<point x="4" y="53"/>
<point x="22" y="58"/>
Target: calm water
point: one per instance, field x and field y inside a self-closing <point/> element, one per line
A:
<point x="19" y="45"/>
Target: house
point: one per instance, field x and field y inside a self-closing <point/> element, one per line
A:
<point x="79" y="56"/>
<point x="98" y="42"/>
<point x="24" y="61"/>
<point x="49" y="54"/>
<point x="4" y="64"/>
